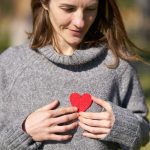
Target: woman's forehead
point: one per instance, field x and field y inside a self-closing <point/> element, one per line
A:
<point x="84" y="2"/>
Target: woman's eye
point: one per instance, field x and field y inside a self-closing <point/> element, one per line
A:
<point x="68" y="9"/>
<point x="91" y="9"/>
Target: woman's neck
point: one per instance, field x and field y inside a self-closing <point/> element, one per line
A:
<point x="68" y="51"/>
<point x="63" y="47"/>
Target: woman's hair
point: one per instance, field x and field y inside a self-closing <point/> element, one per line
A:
<point x="108" y="27"/>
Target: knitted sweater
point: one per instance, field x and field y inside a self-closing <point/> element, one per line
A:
<point x="30" y="80"/>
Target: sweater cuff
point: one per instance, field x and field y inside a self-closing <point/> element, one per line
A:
<point x="15" y="139"/>
<point x="126" y="128"/>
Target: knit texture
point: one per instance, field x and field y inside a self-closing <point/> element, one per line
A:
<point x="30" y="80"/>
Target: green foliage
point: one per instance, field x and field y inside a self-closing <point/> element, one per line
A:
<point x="4" y="41"/>
<point x="6" y="7"/>
<point x="125" y="3"/>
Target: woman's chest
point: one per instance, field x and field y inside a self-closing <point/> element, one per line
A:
<point x="35" y="89"/>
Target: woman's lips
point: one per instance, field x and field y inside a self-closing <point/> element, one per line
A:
<point x="76" y="32"/>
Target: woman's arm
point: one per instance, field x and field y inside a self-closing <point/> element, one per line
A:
<point x="12" y="136"/>
<point x="125" y="124"/>
<point x="41" y="125"/>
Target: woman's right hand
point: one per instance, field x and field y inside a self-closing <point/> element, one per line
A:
<point x="43" y="124"/>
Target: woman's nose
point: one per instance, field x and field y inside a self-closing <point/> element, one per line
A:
<point x="78" y="20"/>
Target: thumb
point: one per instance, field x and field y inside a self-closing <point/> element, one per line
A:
<point x="50" y="106"/>
<point x="102" y="103"/>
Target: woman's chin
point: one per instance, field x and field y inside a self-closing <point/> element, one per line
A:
<point x="75" y="43"/>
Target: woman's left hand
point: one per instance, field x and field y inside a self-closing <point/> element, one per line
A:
<point x="97" y="125"/>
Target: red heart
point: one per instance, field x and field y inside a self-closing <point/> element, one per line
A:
<point x="81" y="102"/>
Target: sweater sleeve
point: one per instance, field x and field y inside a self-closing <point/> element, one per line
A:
<point x="12" y="137"/>
<point x="131" y="127"/>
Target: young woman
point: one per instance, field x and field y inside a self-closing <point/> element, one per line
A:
<point x="78" y="54"/>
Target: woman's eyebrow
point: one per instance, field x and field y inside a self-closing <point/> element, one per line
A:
<point x="67" y="5"/>
<point x="93" y="5"/>
<point x="74" y="5"/>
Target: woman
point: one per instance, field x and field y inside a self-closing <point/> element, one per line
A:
<point x="77" y="47"/>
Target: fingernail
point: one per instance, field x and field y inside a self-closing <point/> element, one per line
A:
<point x="75" y="108"/>
<point x="92" y="96"/>
<point x="80" y="113"/>
<point x="70" y="136"/>
<point x="55" y="101"/>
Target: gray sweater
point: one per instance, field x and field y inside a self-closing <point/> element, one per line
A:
<point x="30" y="80"/>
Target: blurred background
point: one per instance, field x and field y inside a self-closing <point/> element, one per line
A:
<point x="15" y="21"/>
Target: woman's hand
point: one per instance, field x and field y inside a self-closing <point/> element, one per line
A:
<point x="44" y="123"/>
<point x="97" y="125"/>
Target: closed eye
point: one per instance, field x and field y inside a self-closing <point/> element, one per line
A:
<point x="91" y="9"/>
<point x="68" y="8"/>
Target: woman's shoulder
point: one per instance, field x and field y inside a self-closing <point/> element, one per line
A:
<point x="16" y="57"/>
<point x="15" y="52"/>
<point x="123" y="65"/>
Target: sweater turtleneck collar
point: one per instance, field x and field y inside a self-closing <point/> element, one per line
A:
<point x="80" y="56"/>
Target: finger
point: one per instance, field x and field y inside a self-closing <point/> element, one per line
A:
<point x="50" y="106"/>
<point x="63" y="111"/>
<point x="94" y="136"/>
<point x="58" y="137"/>
<point x="102" y="103"/>
<point x="62" y="119"/>
<point x="96" y="116"/>
<point x="96" y="123"/>
<point x="61" y="129"/>
<point x="94" y="130"/>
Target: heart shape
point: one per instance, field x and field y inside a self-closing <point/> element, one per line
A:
<point x="81" y="102"/>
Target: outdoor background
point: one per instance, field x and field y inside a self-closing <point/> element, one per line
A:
<point x="15" y="21"/>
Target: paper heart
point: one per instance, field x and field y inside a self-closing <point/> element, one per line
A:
<point x="81" y="102"/>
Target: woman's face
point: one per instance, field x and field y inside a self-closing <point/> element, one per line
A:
<point x="71" y="19"/>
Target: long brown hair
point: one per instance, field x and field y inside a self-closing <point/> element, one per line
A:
<point x="108" y="26"/>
